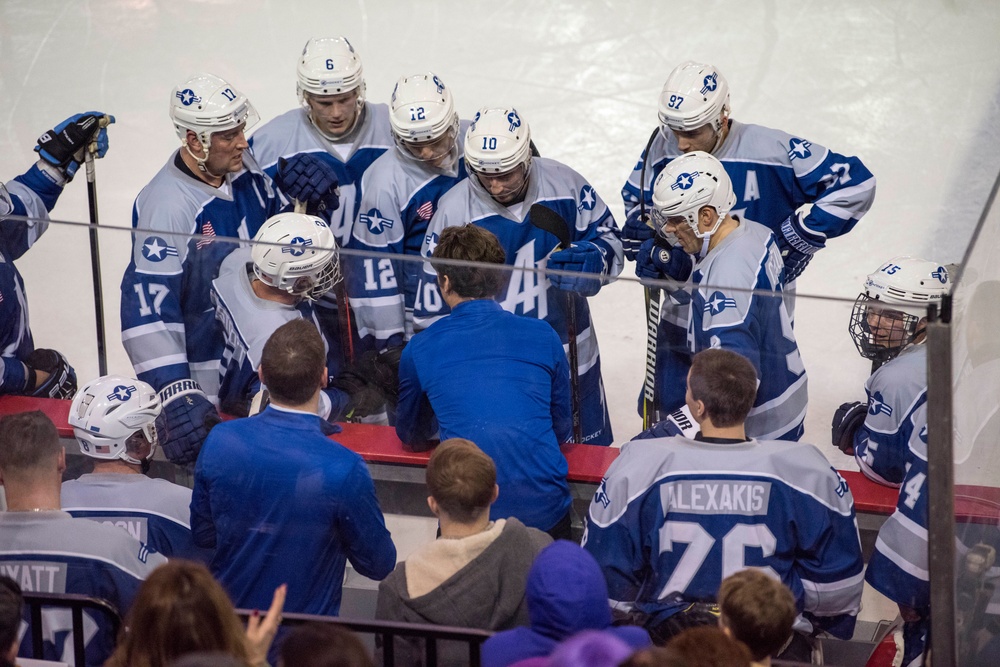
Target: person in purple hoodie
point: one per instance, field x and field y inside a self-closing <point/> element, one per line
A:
<point x="566" y="594"/>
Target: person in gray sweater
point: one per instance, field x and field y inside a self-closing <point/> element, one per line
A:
<point x="474" y="574"/>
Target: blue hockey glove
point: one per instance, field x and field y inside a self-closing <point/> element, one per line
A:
<point x="583" y="257"/>
<point x="190" y="416"/>
<point x="63" y="146"/>
<point x="657" y="260"/>
<point x="311" y="180"/>
<point x="846" y="420"/>
<point x="797" y="247"/>
<point x="61" y="380"/>
<point x="635" y="232"/>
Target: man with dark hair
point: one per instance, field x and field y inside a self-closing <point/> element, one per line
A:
<point x="493" y="377"/>
<point x="46" y="549"/>
<point x="759" y="611"/>
<point x="674" y="516"/>
<point x="474" y="575"/>
<point x="279" y="501"/>
<point x="11" y="602"/>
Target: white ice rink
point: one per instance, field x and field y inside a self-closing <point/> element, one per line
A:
<point x="909" y="86"/>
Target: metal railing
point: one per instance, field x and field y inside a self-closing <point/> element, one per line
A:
<point x="76" y="605"/>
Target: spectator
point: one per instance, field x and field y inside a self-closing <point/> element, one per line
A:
<point x="656" y="656"/>
<point x="118" y="422"/>
<point x="475" y="574"/>
<point x="11" y="604"/>
<point x="324" y="645"/>
<point x="759" y="611"/>
<point x="181" y="609"/>
<point x="48" y="550"/>
<point x="521" y="414"/>
<point x="590" y="648"/>
<point x="709" y="647"/>
<point x="280" y="501"/>
<point x="566" y="594"/>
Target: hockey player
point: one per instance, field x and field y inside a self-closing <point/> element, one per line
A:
<point x="735" y="259"/>
<point x="210" y="187"/>
<point x="888" y="324"/>
<point x="400" y="194"/>
<point x="674" y="516"/>
<point x="23" y="368"/>
<point x="504" y="183"/>
<point x="118" y="422"/>
<point x="293" y="262"/>
<point x="773" y="173"/>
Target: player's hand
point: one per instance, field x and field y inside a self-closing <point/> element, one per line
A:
<point x="583" y="257"/>
<point x="797" y="247"/>
<point x="261" y="632"/>
<point x="63" y="146"/>
<point x="846" y="420"/>
<point x="311" y="180"/>
<point x="190" y="416"/>
<point x="53" y="376"/>
<point x="635" y="232"/>
<point x="363" y="397"/>
<point x="658" y="260"/>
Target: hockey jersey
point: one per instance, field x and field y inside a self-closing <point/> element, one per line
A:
<point x="400" y="196"/>
<point x="528" y="293"/>
<point x="895" y="391"/>
<point x="673" y="517"/>
<point x="773" y="174"/>
<point x="153" y="511"/>
<point x="168" y="323"/>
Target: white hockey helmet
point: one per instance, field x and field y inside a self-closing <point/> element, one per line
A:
<point x="688" y="183"/>
<point x="330" y="66"/>
<point x="206" y="104"/>
<point x="421" y="109"/>
<point x="887" y="314"/>
<point x="108" y="412"/>
<point x="497" y="142"/>
<point x="694" y="95"/>
<point x="296" y="253"/>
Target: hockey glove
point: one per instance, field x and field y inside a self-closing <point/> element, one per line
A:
<point x="364" y="398"/>
<point x="61" y="380"/>
<point x="583" y="257"/>
<point x="63" y="146"/>
<point x="797" y="247"/>
<point x="658" y="260"/>
<point x="190" y="416"/>
<point x="635" y="232"/>
<point x="846" y="420"/>
<point x="311" y="180"/>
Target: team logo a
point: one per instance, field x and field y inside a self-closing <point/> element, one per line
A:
<point x="710" y="83"/>
<point x="941" y="274"/>
<point x="718" y="302"/>
<point x="431" y="241"/>
<point x="514" y="120"/>
<point x="187" y="97"/>
<point x="876" y="405"/>
<point x="798" y="149"/>
<point x="155" y="249"/>
<point x="685" y="181"/>
<point x="588" y="198"/>
<point x="375" y="222"/>
<point x="438" y="84"/>
<point x="121" y="393"/>
<point x="601" y="496"/>
<point x="297" y="246"/>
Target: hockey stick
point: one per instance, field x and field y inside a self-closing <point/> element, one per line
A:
<point x="95" y="251"/>
<point x="547" y="220"/>
<point x="652" y="299"/>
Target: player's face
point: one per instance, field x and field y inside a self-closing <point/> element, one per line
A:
<point x="702" y="139"/>
<point x="437" y="152"/>
<point x="507" y="188"/>
<point x="679" y="227"/>
<point x="225" y="153"/>
<point x="887" y="327"/>
<point x="333" y="115"/>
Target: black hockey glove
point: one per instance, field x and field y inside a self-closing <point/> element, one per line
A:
<point x="846" y="420"/>
<point x="63" y="146"/>
<point x="797" y="247"/>
<point x="61" y="382"/>
<point x="190" y="416"/>
<point x="364" y="398"/>
<point x="311" y="180"/>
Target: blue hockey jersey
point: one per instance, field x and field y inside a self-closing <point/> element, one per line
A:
<point x="673" y="517"/>
<point x="168" y="323"/>
<point x="558" y="187"/>
<point x="400" y="196"/>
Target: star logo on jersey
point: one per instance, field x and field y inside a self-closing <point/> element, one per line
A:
<point x="187" y="97"/>
<point x="155" y="249"/>
<point x="431" y="241"/>
<point x="514" y="120"/>
<point x="710" y="83"/>
<point x="602" y="494"/>
<point x="437" y="82"/>
<point x="297" y="246"/>
<point x="376" y="223"/>
<point x="941" y="274"/>
<point x="842" y="487"/>
<point x="121" y="393"/>
<point x="877" y="406"/>
<point x="684" y="181"/>
<point x="798" y="149"/>
<point x="588" y="199"/>
<point x="718" y="302"/>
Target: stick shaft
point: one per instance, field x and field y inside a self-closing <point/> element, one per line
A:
<point x="95" y="265"/>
